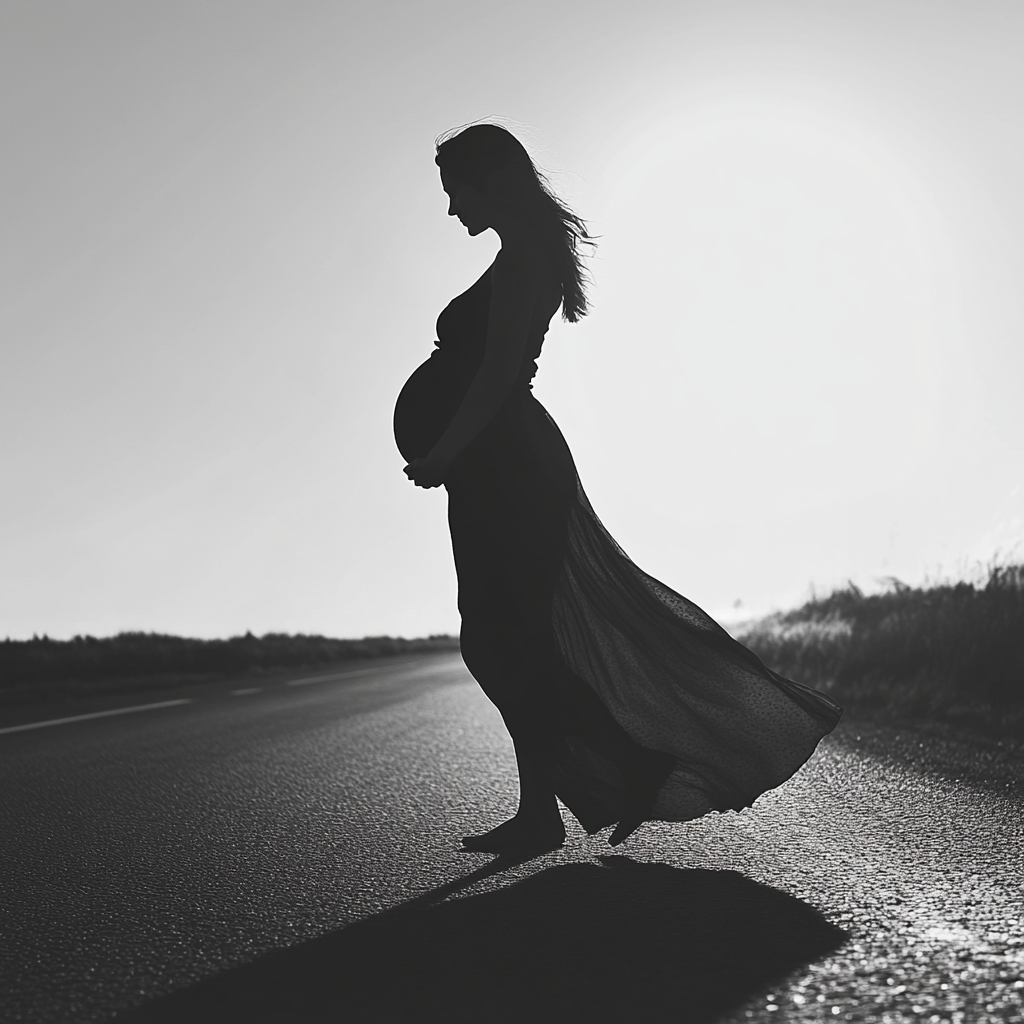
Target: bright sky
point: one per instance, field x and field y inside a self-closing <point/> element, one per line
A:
<point x="224" y="247"/>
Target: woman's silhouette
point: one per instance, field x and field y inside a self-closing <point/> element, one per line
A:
<point x="623" y="698"/>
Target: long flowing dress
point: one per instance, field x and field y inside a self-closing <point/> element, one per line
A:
<point x="628" y="696"/>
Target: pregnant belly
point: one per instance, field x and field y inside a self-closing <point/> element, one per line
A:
<point x="425" y="407"/>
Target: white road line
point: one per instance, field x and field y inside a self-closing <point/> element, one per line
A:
<point x="96" y="714"/>
<point x="327" y="679"/>
<point x="246" y="691"/>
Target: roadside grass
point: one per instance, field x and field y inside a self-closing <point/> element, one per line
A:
<point x="951" y="653"/>
<point x="42" y="670"/>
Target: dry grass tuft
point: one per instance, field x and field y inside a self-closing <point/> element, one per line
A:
<point x="951" y="652"/>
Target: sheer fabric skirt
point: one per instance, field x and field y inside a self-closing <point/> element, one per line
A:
<point x="624" y="692"/>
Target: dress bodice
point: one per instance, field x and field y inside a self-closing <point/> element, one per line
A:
<point x="462" y="331"/>
<point x="432" y="395"/>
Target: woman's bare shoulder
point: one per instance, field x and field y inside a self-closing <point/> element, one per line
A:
<point x="522" y="268"/>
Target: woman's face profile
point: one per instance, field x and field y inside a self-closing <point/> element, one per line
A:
<point x="466" y="203"/>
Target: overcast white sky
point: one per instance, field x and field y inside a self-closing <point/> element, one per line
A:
<point x="224" y="247"/>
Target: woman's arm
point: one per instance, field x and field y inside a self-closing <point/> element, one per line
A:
<point x="515" y="286"/>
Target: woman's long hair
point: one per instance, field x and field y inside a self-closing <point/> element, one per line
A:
<point x="489" y="158"/>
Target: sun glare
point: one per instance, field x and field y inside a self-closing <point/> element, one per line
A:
<point x="782" y="284"/>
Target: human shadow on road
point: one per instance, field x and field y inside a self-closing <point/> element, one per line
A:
<point x="618" y="941"/>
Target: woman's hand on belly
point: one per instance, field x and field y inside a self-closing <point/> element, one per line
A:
<point x="428" y="472"/>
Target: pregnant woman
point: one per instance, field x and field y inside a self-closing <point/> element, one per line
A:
<point x="623" y="699"/>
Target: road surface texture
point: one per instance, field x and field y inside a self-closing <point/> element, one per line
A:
<point x="287" y="850"/>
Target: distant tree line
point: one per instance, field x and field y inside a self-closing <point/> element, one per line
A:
<point x="88" y="659"/>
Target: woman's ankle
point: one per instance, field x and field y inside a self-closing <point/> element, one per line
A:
<point x="540" y="817"/>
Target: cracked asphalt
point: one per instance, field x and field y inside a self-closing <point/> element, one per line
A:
<point x="287" y="850"/>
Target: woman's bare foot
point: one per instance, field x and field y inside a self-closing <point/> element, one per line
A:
<point x="519" y="833"/>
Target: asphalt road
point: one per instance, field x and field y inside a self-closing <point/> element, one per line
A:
<point x="287" y="851"/>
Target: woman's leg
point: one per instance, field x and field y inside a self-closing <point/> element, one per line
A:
<point x="537" y="803"/>
<point x="542" y="704"/>
<point x="536" y="825"/>
<point x="501" y="670"/>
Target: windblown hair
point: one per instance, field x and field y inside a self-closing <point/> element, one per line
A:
<point x="488" y="158"/>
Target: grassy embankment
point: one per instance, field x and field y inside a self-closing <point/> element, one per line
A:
<point x="950" y="653"/>
<point x="41" y="670"/>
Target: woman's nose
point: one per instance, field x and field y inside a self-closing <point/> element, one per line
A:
<point x="451" y="208"/>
